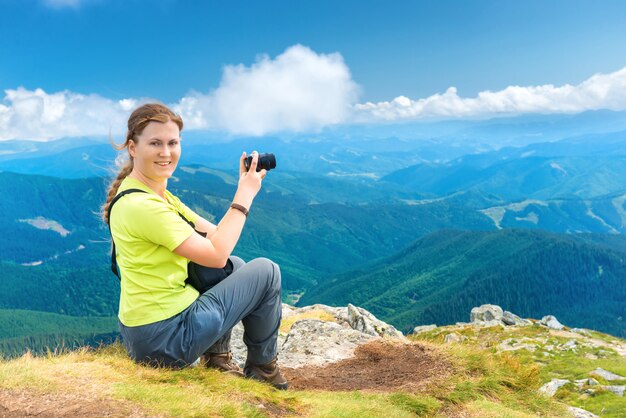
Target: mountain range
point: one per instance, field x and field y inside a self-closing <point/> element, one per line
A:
<point x="410" y="221"/>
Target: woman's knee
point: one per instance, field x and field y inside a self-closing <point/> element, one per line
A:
<point x="237" y="262"/>
<point x="267" y="268"/>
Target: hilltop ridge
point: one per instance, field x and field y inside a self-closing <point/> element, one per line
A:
<point x="495" y="365"/>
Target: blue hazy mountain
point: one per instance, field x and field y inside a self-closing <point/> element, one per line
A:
<point x="357" y="151"/>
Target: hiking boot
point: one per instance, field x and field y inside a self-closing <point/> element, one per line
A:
<point x="222" y="362"/>
<point x="268" y="373"/>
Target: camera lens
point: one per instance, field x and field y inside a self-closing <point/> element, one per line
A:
<point x="266" y="161"/>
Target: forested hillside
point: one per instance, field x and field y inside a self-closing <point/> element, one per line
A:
<point x="440" y="277"/>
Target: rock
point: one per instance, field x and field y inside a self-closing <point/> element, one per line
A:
<point x="586" y="382"/>
<point x="513" y="344"/>
<point x="454" y="338"/>
<point x="551" y="322"/>
<point x="509" y="318"/>
<point x="423" y="328"/>
<point x="580" y="413"/>
<point x="486" y="313"/>
<point x="605" y="374"/>
<point x="581" y="331"/>
<point x="312" y="342"/>
<point x="363" y="321"/>
<point x="316" y="342"/>
<point x="552" y="386"/>
<point x="238" y="348"/>
<point x="571" y="344"/>
<point x="287" y="310"/>
<point x="618" y="390"/>
<point x="591" y="356"/>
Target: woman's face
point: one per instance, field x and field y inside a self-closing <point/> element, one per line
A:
<point x="157" y="150"/>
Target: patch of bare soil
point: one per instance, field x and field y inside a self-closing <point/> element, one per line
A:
<point x="378" y="366"/>
<point x="26" y="403"/>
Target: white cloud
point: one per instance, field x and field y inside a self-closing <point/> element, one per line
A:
<point x="601" y="91"/>
<point x="38" y="115"/>
<point x="298" y="90"/>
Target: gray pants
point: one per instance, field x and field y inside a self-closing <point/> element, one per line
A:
<point x="251" y="294"/>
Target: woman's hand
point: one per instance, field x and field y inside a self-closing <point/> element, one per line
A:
<point x="249" y="181"/>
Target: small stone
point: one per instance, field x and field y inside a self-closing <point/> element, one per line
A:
<point x="570" y="344"/>
<point x="618" y="390"/>
<point x="591" y="356"/>
<point x="605" y="374"/>
<point x="552" y="386"/>
<point x="580" y="413"/>
<point x="423" y="328"/>
<point x="586" y="382"/>
<point x="581" y="331"/>
<point x="454" y="338"/>
<point x="511" y="344"/>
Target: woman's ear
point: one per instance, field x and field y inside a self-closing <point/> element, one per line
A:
<point x="131" y="148"/>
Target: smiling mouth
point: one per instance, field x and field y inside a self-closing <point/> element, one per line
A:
<point x="163" y="164"/>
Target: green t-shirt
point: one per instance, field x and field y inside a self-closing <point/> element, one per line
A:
<point x="146" y="229"/>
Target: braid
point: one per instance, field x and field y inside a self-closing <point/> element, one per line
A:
<point x="115" y="185"/>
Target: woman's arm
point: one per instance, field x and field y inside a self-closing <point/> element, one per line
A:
<point x="203" y="225"/>
<point x="214" y="250"/>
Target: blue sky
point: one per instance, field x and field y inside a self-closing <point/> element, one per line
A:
<point x="165" y="49"/>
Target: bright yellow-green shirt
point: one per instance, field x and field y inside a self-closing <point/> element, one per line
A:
<point x="146" y="229"/>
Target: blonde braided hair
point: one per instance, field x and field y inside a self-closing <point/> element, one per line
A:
<point x="137" y="121"/>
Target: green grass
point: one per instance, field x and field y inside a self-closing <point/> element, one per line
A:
<point x="483" y="383"/>
<point x="524" y="371"/>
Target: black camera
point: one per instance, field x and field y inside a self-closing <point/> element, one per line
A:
<point x="266" y="161"/>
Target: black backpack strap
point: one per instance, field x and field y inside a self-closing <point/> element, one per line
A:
<point x="115" y="199"/>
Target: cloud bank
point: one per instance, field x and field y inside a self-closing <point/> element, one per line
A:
<point x="38" y="115"/>
<point x="601" y="91"/>
<point x="299" y="90"/>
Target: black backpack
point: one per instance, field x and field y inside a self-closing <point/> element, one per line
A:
<point x="201" y="277"/>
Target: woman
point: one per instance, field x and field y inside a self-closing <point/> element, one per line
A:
<point x="163" y="320"/>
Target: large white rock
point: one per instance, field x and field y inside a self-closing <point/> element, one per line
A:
<point x="317" y="342"/>
<point x="312" y="342"/>
<point x="362" y="320"/>
<point x="486" y="313"/>
<point x="509" y="318"/>
<point x="551" y="322"/>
